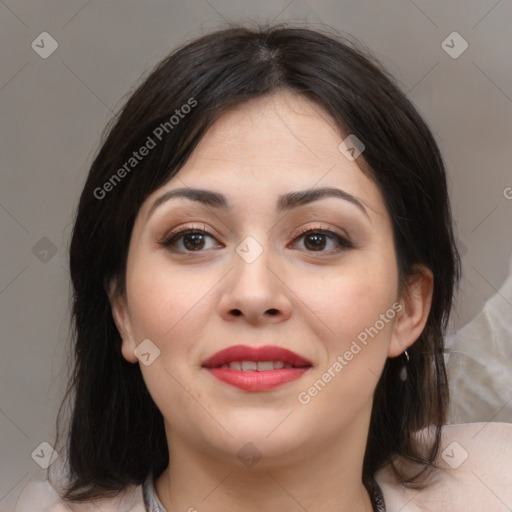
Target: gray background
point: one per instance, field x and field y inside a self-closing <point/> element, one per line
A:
<point x="53" y="111"/>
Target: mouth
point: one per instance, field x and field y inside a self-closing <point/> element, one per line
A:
<point x="256" y="369"/>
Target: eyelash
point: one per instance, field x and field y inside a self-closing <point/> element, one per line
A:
<point x="170" y="239"/>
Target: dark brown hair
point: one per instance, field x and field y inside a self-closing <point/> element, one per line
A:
<point x="116" y="434"/>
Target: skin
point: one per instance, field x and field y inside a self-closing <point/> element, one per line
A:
<point x="314" y="302"/>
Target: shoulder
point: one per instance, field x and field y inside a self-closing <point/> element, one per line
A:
<point x="40" y="496"/>
<point x="474" y="468"/>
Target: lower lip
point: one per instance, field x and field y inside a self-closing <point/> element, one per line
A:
<point x="257" y="381"/>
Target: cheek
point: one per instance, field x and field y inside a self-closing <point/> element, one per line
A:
<point x="349" y="302"/>
<point x="170" y="308"/>
<point x="164" y="302"/>
<point x="355" y="339"/>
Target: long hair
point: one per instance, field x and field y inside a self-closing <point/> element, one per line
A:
<point x="115" y="436"/>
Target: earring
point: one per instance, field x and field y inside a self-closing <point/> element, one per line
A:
<point x="403" y="372"/>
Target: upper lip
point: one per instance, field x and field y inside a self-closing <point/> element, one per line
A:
<point x="257" y="354"/>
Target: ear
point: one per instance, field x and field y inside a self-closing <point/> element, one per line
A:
<point x="412" y="317"/>
<point x="121" y="316"/>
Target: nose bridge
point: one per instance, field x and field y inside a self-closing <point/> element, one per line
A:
<point x="254" y="289"/>
<point x="252" y="264"/>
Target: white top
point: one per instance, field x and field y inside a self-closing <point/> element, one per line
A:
<point x="40" y="496"/>
<point x="150" y="497"/>
<point x="480" y="362"/>
<point x="475" y="476"/>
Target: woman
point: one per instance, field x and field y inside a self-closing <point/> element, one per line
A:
<point x="263" y="267"/>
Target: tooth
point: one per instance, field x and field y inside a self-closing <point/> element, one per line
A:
<point x="265" y="365"/>
<point x="260" y="366"/>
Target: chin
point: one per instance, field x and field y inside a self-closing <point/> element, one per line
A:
<point x="264" y="435"/>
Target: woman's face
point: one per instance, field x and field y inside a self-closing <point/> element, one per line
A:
<point x="250" y="277"/>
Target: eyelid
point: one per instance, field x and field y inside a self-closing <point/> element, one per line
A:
<point x="319" y="227"/>
<point x="343" y="240"/>
<point x="180" y="231"/>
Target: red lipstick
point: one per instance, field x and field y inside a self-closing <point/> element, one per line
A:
<point x="256" y="368"/>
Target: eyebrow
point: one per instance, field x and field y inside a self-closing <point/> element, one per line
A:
<point x="285" y="202"/>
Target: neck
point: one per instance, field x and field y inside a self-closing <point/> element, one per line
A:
<point x="326" y="482"/>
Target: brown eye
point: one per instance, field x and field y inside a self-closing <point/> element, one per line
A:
<point x="193" y="241"/>
<point x="316" y="240"/>
<point x="188" y="240"/>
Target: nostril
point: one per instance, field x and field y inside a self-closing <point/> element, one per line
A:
<point x="236" y="312"/>
<point x="272" y="311"/>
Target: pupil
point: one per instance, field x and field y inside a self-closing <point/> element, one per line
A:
<point x="318" y="241"/>
<point x="197" y="241"/>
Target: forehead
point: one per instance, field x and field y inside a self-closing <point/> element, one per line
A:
<point x="273" y="145"/>
<point x="283" y="128"/>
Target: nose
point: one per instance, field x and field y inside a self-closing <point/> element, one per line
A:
<point x="256" y="291"/>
